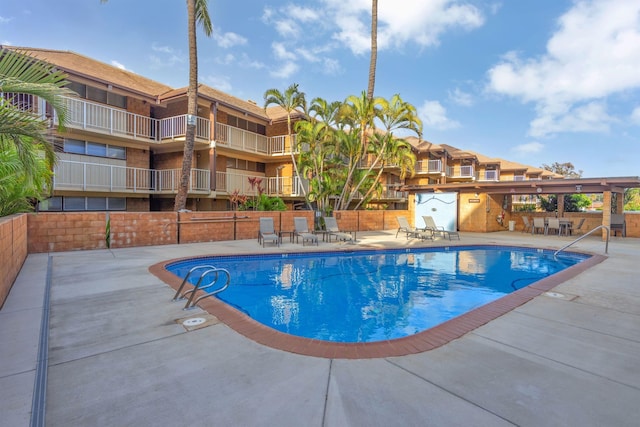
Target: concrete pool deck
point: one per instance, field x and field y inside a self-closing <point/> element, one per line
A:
<point x="118" y="355"/>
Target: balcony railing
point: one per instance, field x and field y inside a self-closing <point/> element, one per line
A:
<point x="492" y="175"/>
<point x="100" y="118"/>
<point x="460" y="172"/>
<point x="241" y="139"/>
<point x="228" y="182"/>
<point x="83" y="176"/>
<point x="429" y="166"/>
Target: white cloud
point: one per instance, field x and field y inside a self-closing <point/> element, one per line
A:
<point x="4" y="20"/>
<point x="635" y="116"/>
<point x="118" y="65"/>
<point x="280" y="51"/>
<point x="331" y="67"/>
<point x="461" y="98"/>
<point x="434" y="115"/>
<point x="227" y="40"/>
<point x="594" y="53"/>
<point x="285" y="71"/>
<point x="400" y="22"/>
<point x="528" y="148"/>
<point x="218" y="82"/>
<point x="247" y="62"/>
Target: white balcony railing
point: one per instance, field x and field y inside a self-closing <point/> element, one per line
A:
<point x="460" y="172"/>
<point x="228" y="182"/>
<point x="429" y="166"/>
<point x="492" y="175"/>
<point x="83" y="176"/>
<point x="100" y="118"/>
<point x="241" y="139"/>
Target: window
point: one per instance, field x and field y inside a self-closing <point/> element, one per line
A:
<point x="83" y="204"/>
<point x="98" y="95"/>
<point x="51" y="204"/>
<point x="116" y="152"/>
<point x="95" y="149"/>
<point x="75" y="146"/>
<point x="74" y="204"/>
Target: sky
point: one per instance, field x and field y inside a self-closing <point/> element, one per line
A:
<point x="531" y="81"/>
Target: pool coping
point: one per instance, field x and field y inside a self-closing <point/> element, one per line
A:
<point x="426" y="340"/>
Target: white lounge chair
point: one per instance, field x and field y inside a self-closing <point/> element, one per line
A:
<point x="430" y="224"/>
<point x="331" y="225"/>
<point x="302" y="230"/>
<point x="403" y="225"/>
<point x="267" y="232"/>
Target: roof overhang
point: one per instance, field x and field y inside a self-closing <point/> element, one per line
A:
<point x="545" y="186"/>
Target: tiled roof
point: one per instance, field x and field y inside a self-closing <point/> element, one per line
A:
<point x="74" y="63"/>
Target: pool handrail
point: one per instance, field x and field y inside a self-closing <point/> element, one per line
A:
<point x="606" y="247"/>
<point x="177" y="295"/>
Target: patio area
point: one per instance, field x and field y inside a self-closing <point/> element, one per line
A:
<point x="117" y="354"/>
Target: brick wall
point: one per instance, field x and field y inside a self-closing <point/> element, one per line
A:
<point x="13" y="251"/>
<point x="66" y="231"/>
<point x="137" y="158"/>
<point x="130" y="229"/>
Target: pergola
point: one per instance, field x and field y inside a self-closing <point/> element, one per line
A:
<point x="605" y="186"/>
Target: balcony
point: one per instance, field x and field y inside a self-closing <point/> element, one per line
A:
<point x="460" y="172"/>
<point x="240" y="139"/>
<point x="100" y="118"/>
<point x="429" y="166"/>
<point x="228" y="182"/>
<point x="83" y="176"/>
<point x="490" y="175"/>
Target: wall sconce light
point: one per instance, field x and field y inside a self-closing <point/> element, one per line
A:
<point x="578" y="188"/>
<point x="477" y="195"/>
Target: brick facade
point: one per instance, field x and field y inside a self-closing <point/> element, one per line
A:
<point x="13" y="251"/>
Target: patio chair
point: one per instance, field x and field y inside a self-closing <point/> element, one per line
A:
<point x="538" y="224"/>
<point x="403" y="225"/>
<point x="267" y="232"/>
<point x="527" y="225"/>
<point x="553" y="224"/>
<point x="302" y="230"/>
<point x="430" y="224"/>
<point x="331" y="225"/>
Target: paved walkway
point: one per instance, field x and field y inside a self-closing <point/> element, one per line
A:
<point x="118" y="357"/>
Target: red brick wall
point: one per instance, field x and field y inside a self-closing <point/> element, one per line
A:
<point x="66" y="231"/>
<point x="137" y="158"/>
<point x="130" y="229"/>
<point x="13" y="251"/>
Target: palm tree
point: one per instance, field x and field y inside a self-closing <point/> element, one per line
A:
<point x="289" y="100"/>
<point x="25" y="173"/>
<point x="197" y="13"/>
<point x="374" y="48"/>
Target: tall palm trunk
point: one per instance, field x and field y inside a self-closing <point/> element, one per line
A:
<point x="192" y="109"/>
<point x="374" y="48"/>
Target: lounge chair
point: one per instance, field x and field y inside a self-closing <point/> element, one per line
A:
<point x="527" y="224"/>
<point x="302" y="230"/>
<point x="538" y="224"/>
<point x="331" y="225"/>
<point x="403" y="225"/>
<point x="430" y="224"/>
<point x="267" y="232"/>
<point x="553" y="224"/>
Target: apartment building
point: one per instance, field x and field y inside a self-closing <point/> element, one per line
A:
<point x="123" y="145"/>
<point x="123" y="148"/>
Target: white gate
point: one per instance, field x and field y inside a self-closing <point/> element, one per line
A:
<point x="442" y="207"/>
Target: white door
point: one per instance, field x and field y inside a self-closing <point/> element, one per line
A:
<point x="442" y="207"/>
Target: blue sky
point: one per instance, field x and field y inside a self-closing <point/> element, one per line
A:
<point x="533" y="81"/>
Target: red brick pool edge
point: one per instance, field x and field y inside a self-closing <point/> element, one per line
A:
<point x="417" y="343"/>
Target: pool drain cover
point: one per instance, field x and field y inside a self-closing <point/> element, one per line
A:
<point x="194" y="321"/>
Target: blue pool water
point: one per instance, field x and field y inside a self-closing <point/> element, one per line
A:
<point x="366" y="296"/>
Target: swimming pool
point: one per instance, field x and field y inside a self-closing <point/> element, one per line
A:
<point x="372" y="295"/>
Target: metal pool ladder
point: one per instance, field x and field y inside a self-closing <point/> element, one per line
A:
<point x="209" y="270"/>
<point x="606" y="247"/>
